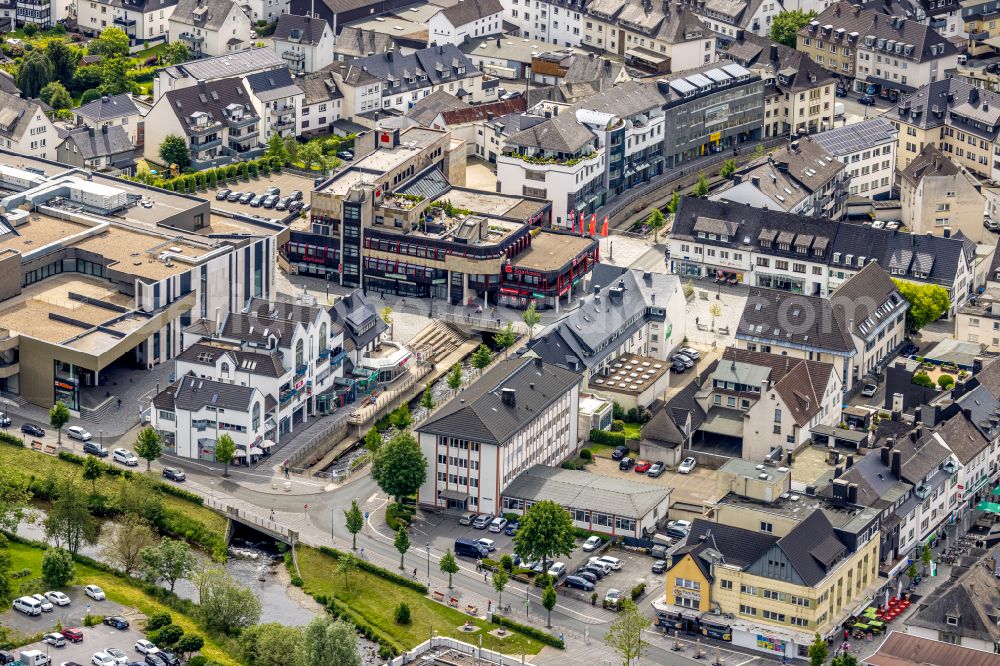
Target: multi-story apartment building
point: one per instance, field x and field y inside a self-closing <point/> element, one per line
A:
<point x="803" y="255"/>
<point x="322" y="103"/>
<point x="979" y="21"/>
<point x="109" y="110"/>
<point x="520" y="413"/>
<point x="266" y="10"/>
<point x="218" y="120"/>
<point x="938" y="196"/>
<point x="558" y="22"/>
<point x="798" y="93"/>
<point x="868" y="152"/>
<point x="395" y="82"/>
<point x="235" y="65"/>
<point x="305" y="43"/>
<point x="278" y="101"/>
<point x="43" y="13"/>
<point x="729" y="20"/>
<point x="210" y="27"/>
<point x="399" y="221"/>
<point x="963" y="121"/>
<point x="26" y="129"/>
<point x="883" y="55"/>
<point x="780" y="587"/>
<point x="582" y="156"/>
<point x="656" y="37"/>
<point x="142" y="20"/>
<point x="856" y="329"/>
<point x="107" y="149"/>
<point x="802" y="177"/>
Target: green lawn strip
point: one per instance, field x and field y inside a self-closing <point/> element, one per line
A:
<point x="632" y="430"/>
<point x="158" y="50"/>
<point x="37" y="464"/>
<point x="375" y="599"/>
<point x="119" y="590"/>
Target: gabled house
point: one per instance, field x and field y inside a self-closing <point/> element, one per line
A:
<point x="469" y="19"/>
<point x="25" y="129"/>
<point x="322" y="103"/>
<point x="305" y="43"/>
<point x="235" y="65"/>
<point x="802" y="178"/>
<point x="107" y="149"/>
<point x="144" y="21"/>
<point x="278" y="102"/>
<point x="798" y="94"/>
<point x="210" y="27"/>
<point x="750" y="405"/>
<point x="868" y="151"/>
<point x="219" y="121"/>
<point x="362" y="325"/>
<point x="937" y="196"/>
<point x="110" y="110"/>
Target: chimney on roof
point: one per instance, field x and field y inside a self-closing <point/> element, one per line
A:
<point x="508" y="396"/>
<point x="774" y="52"/>
<point x="850" y="462"/>
<point x="885" y="455"/>
<point x="918" y="413"/>
<point x="388" y="55"/>
<point x="498" y="42"/>
<point x="852" y="493"/>
<point x="896" y="464"/>
<point x="538" y="362"/>
<point x="837" y="471"/>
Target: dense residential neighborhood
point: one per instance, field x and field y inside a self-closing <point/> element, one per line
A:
<point x="499" y="332"/>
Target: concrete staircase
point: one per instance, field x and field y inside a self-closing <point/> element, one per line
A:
<point x="437" y="340"/>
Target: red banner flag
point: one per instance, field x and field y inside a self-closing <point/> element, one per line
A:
<point x="593" y="224"/>
<point x="583" y="222"/>
<point x="604" y="227"/>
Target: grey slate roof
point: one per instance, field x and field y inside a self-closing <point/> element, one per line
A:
<point x="258" y="330"/>
<point x="15" y="115"/>
<point x="211" y="97"/>
<point x="284" y="310"/>
<point x="105" y="142"/>
<point x="272" y="85"/>
<point x="929" y="162"/>
<point x="7" y="83"/>
<point x="973" y="599"/>
<point x="108" y="107"/>
<point x="300" y="29"/>
<point x="812" y="547"/>
<point x="670" y="23"/>
<point x="356" y="42"/>
<point x="478" y="412"/>
<point x="319" y="86"/>
<point x="869" y="299"/>
<point x="583" y="336"/>
<point x="426" y="109"/>
<point x="591" y="492"/>
<point x="359" y="318"/>
<point x="760" y="53"/>
<point x="468" y="11"/>
<point x="963" y="437"/>
<point x="254" y="363"/>
<point x="192" y="393"/>
<point x="805" y="320"/>
<point x="439" y="65"/>
<point x="204" y="14"/>
<point x="229" y="65"/>
<point x="738" y="546"/>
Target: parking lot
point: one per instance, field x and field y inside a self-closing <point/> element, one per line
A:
<point x="95" y="638"/>
<point x="285" y="180"/>
<point x="636" y="568"/>
<point x="696" y="487"/>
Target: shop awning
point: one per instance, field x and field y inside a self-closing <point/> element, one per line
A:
<point x="988" y="507"/>
<point x="453" y="495"/>
<point x="266" y="444"/>
<point x="996" y="491"/>
<point x="256" y="451"/>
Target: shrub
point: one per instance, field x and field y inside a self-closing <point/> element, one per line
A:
<point x="198" y="660"/>
<point x="531" y="632"/>
<point x="542" y="580"/>
<point x="944" y="381"/>
<point x="507" y="562"/>
<point x="13" y="440"/>
<point x="376" y="570"/>
<point x="158" y="621"/>
<point x="586" y="454"/>
<point x="604" y="437"/>
<point x="638" y="591"/>
<point x="617" y="425"/>
<point x="296" y="580"/>
<point x="923" y="379"/>
<point x="402" y="614"/>
<point x="90" y="620"/>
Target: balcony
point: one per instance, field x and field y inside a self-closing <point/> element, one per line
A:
<point x="205" y="145"/>
<point x="285" y="397"/>
<point x="243" y="136"/>
<point x="203" y="130"/>
<point x="281" y="125"/>
<point x="979" y="36"/>
<point x="124" y="22"/>
<point x="294" y="56"/>
<point x="193" y="42"/>
<point x="9" y="369"/>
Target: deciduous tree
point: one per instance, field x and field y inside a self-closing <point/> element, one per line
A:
<point x="124" y="547"/>
<point x="270" y="644"/>
<point x="148" y="445"/>
<point x="58" y="568"/>
<point x="14" y="497"/>
<point x="58" y="417"/>
<point x="326" y="642"/>
<point x="500" y="580"/>
<point x="655" y="221"/>
<point x="482" y="357"/>
<point x="174" y="150"/>
<point x="111" y="42"/>
<point x="225" y="451"/>
<point x="625" y="634"/>
<point x="176" y="52"/>
<point x="34" y="74"/>
<point x="355" y="522"/>
<point x="55" y="95"/>
<point x="506" y="338"/>
<point x="927" y="303"/>
<point x="546" y="531"/>
<point x="400" y="468"/>
<point x="427" y="399"/>
<point x="169" y="562"/>
<point x="530" y="317"/>
<point x="454" y="379"/>
<point x="63" y="59"/>
<point x="224" y="604"/>
<point x="448" y="565"/>
<point x="549" y="601"/>
<point x="69" y="523"/>
<point x="786" y="25"/>
<point x="402" y="544"/>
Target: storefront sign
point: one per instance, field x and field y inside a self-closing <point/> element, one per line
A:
<point x="770" y="644"/>
<point x="687" y="594"/>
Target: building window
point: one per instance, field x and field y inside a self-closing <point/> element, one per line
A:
<point x="772" y="615"/>
<point x="766" y="527"/>
<point x="726" y="584"/>
<point x="748" y="589"/>
<point x="747" y="610"/>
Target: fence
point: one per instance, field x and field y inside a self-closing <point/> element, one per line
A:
<point x="301" y="455"/>
<point x="366" y="413"/>
<point x="441" y="644"/>
<point x="483" y="323"/>
<point x="244" y="516"/>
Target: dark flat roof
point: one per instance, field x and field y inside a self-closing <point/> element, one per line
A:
<point x="550" y="251"/>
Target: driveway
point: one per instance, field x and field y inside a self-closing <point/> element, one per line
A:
<point x="67" y="616"/>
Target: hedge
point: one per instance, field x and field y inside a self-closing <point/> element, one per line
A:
<point x="605" y="437"/>
<point x="113" y="470"/>
<point x="531" y="632"/>
<point x="376" y="570"/>
<point x="8" y="438"/>
<point x="388" y="647"/>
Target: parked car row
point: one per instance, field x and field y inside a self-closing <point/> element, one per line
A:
<point x="270" y="198"/>
<point x="651" y="469"/>
<point x="684" y="359"/>
<point x="586" y="576"/>
<point x="36" y="604"/>
<point x="484" y="521"/>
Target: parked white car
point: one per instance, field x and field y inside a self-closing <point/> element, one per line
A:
<point x="76" y="432"/>
<point x="145" y="647"/>
<point x="125" y="457"/>
<point x="612" y="562"/>
<point x="498" y="524"/>
<point x="103" y="659"/>
<point x="599" y="562"/>
<point x="57" y="597"/>
<point x="45" y="603"/>
<point x="687" y="465"/>
<point x="488" y="544"/>
<point x="94" y="592"/>
<point x="118" y="655"/>
<point x="592" y="543"/>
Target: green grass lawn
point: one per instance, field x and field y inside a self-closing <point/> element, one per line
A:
<point x="632" y="430"/>
<point x="118" y="590"/>
<point x="37" y="464"/>
<point x="375" y="599"/>
<point x="157" y="50"/>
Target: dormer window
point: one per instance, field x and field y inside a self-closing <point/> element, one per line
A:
<point x="951" y="620"/>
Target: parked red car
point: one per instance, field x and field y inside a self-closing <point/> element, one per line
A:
<point x="73" y="634"/>
<point x="643" y="466"/>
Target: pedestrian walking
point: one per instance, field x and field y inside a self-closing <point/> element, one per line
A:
<point x="272" y="515"/>
<point x="486" y="575"/>
<point x="414" y="573"/>
<point x="479" y="565"/>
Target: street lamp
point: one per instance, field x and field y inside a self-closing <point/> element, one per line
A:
<point x="211" y="485"/>
<point x="428" y="547"/>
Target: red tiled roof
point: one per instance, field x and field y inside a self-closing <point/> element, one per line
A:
<point x="478" y="112"/>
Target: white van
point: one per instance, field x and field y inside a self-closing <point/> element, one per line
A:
<point x="28" y="605"/>
<point x="838" y="109"/>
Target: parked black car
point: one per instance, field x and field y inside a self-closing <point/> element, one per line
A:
<point x="678" y="367"/>
<point x="169" y="657"/>
<point x="222" y="194"/>
<point x="95" y="449"/>
<point x="174" y="474"/>
<point x="117" y="622"/>
<point x="33" y="430"/>
<point x="909" y="349"/>
<point x="867" y="100"/>
<point x="619" y="452"/>
<point x="586" y="574"/>
<point x="626" y="464"/>
<point x="579" y="583"/>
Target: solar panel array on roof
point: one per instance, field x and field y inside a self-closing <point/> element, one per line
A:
<point x="859" y="136"/>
